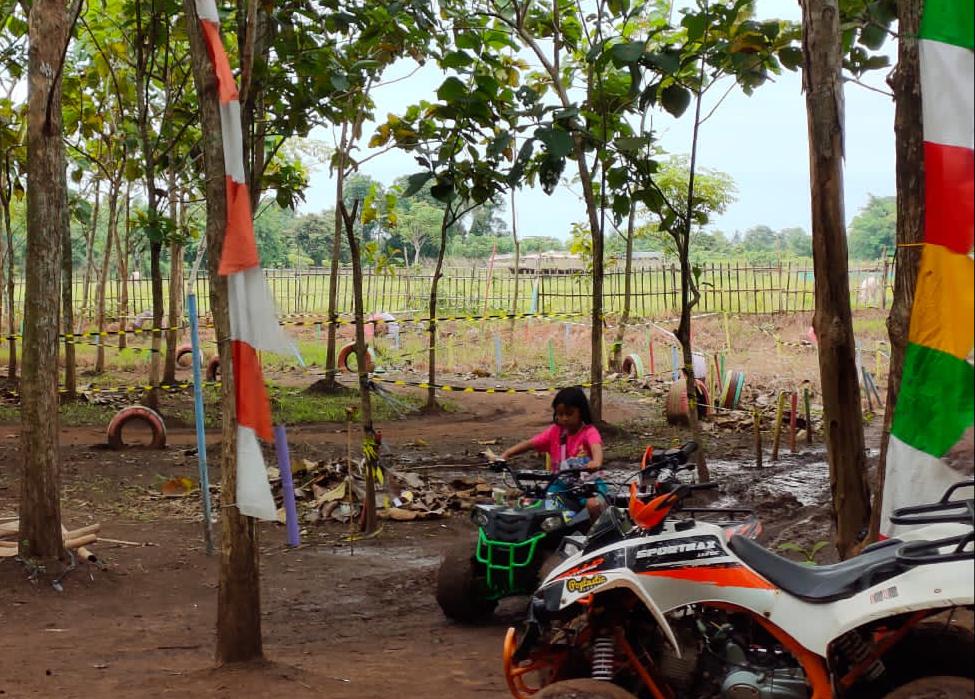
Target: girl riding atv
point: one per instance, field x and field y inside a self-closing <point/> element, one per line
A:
<point x="571" y="442"/>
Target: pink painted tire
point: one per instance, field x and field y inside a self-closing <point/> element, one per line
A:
<point x="676" y="406"/>
<point x="137" y="413"/>
<point x="184" y="356"/>
<point x="349" y="351"/>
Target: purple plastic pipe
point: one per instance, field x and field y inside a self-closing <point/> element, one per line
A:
<point x="287" y="485"/>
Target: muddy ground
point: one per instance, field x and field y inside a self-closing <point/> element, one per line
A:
<point x="337" y="622"/>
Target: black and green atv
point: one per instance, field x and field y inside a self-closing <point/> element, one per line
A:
<point x="514" y="544"/>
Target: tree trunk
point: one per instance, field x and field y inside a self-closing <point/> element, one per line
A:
<point x="832" y="318"/>
<point x="909" y="146"/>
<point x="110" y="233"/>
<point x="89" y="257"/>
<point x="8" y="263"/>
<point x="432" y="328"/>
<point x="145" y="46"/>
<point x="333" y="274"/>
<point x="122" y="255"/>
<point x="617" y="362"/>
<point x="369" y="447"/>
<point x="175" y="289"/>
<point x="239" y="593"/>
<point x="155" y="360"/>
<point x="596" y="363"/>
<point x="517" y="245"/>
<point x="689" y="292"/>
<point x="12" y="314"/>
<point x="67" y="310"/>
<point x="40" y="507"/>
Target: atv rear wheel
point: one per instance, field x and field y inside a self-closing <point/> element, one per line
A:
<point x="461" y="588"/>
<point x="936" y="687"/>
<point x="583" y="689"/>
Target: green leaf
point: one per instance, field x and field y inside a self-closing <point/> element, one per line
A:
<point x="791" y="57"/>
<point x="339" y="81"/>
<point x="632" y="143"/>
<point x="414" y="183"/>
<point x="452" y="90"/>
<point x="563" y="114"/>
<point x="558" y="142"/>
<point x="675" y="99"/>
<point x="457" y="59"/>
<point x="873" y="36"/>
<point x="817" y="547"/>
<point x="468" y="41"/>
<point x="695" y="25"/>
<point x="621" y="206"/>
<point x="667" y="61"/>
<point x="443" y="191"/>
<point x="624" y="54"/>
<point x="616" y="177"/>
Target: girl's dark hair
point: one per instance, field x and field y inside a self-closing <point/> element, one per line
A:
<point x="573" y="397"/>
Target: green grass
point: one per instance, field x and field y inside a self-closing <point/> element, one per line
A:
<point x="72" y="414"/>
<point x="295" y="406"/>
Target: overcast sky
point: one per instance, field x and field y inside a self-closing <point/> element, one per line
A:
<point x="759" y="140"/>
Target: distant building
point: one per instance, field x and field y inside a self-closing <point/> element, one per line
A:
<point x="559" y="262"/>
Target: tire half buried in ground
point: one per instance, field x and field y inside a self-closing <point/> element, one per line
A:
<point x="145" y="419"/>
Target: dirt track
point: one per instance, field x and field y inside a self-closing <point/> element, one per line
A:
<point x="335" y="624"/>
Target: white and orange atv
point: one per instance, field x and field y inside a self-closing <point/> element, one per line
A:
<point x="663" y="606"/>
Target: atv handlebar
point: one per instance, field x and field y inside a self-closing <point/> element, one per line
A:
<point x="534" y="477"/>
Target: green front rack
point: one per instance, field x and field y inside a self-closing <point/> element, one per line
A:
<point x="504" y="558"/>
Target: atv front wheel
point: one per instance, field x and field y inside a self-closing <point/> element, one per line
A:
<point x="939" y="687"/>
<point x="583" y="689"/>
<point x="461" y="588"/>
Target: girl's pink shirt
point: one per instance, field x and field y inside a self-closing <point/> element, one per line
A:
<point x="576" y="445"/>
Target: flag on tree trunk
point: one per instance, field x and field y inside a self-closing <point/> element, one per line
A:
<point x="253" y="318"/>
<point x="931" y="435"/>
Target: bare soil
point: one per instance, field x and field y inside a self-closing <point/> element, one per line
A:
<point x="338" y="622"/>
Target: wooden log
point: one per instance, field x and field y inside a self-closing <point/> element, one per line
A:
<point x="75" y="533"/>
<point x="81" y="541"/>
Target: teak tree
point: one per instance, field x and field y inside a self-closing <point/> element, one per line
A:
<point x="833" y="319"/>
<point x="40" y="505"/>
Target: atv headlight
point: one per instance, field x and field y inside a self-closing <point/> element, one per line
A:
<point x="550" y="524"/>
<point x="480" y="517"/>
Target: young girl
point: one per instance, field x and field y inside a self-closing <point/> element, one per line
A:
<point x="571" y="442"/>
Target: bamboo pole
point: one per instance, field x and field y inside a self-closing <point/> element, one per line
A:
<point x="808" y="411"/>
<point x="777" y="427"/>
<point x="757" y="428"/>
<point x="793" y="421"/>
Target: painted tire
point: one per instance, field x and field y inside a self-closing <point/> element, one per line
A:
<point x="676" y="407"/>
<point x="349" y="351"/>
<point x="184" y="355"/>
<point x="732" y="390"/>
<point x="633" y="366"/>
<point x="137" y="413"/>
<point x="213" y="368"/>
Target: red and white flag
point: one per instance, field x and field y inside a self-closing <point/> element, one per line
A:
<point x="253" y="317"/>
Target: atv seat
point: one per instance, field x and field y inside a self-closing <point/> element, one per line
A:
<point x="822" y="584"/>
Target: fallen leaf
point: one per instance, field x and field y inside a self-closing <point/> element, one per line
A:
<point x="178" y="487"/>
